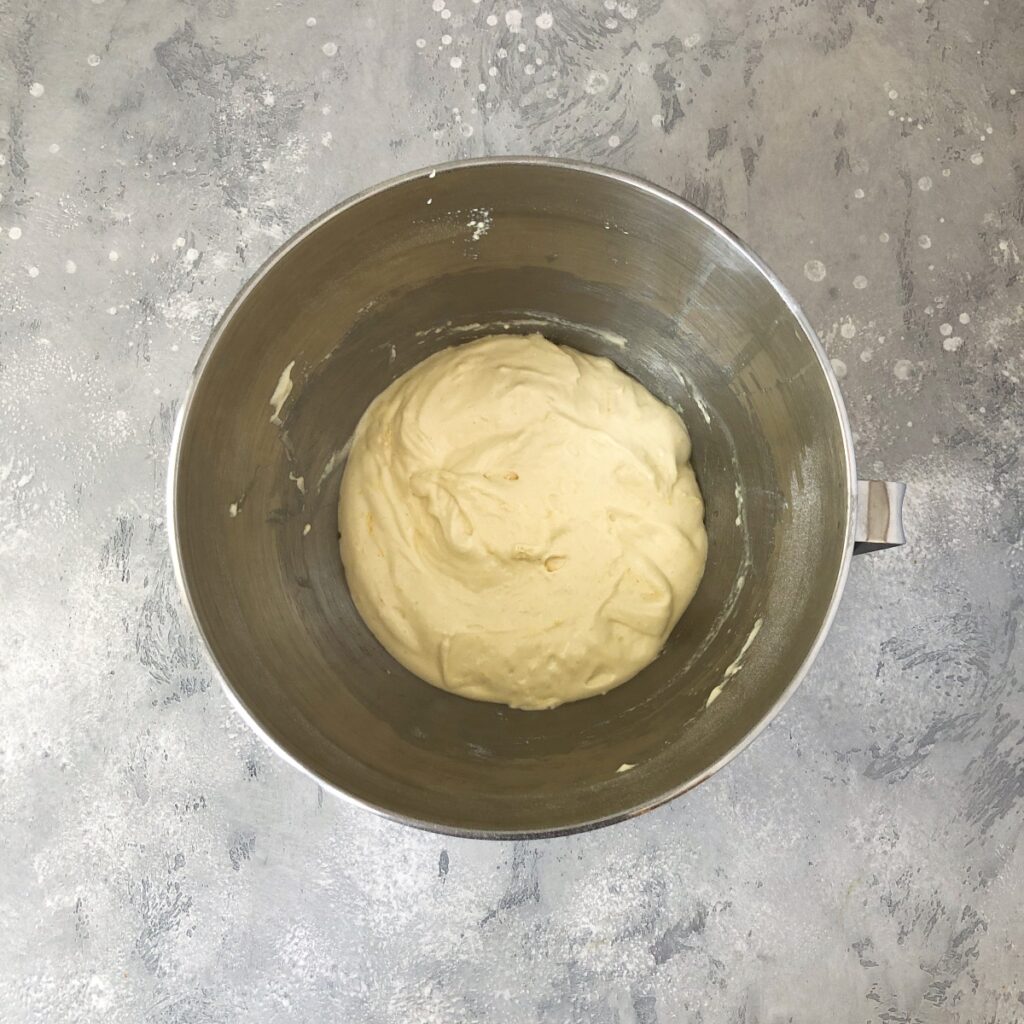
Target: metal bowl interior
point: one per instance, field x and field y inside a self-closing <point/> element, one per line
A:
<point x="593" y="259"/>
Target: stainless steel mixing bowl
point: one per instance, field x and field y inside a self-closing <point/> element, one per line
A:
<point x="592" y="258"/>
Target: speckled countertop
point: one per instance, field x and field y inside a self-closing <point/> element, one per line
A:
<point x="862" y="861"/>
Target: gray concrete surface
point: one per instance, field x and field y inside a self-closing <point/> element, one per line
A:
<point x="861" y="862"/>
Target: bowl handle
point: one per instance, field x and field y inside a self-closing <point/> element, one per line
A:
<point x="879" y="516"/>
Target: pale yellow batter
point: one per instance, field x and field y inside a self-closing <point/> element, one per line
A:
<point x="520" y="523"/>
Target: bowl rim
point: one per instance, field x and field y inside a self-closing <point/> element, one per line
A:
<point x="430" y="171"/>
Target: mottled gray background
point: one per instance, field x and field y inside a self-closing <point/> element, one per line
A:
<point x="861" y="862"/>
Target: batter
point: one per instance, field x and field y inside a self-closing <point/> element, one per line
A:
<point x="520" y="523"/>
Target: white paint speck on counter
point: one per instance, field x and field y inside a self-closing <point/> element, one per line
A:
<point x="814" y="270"/>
